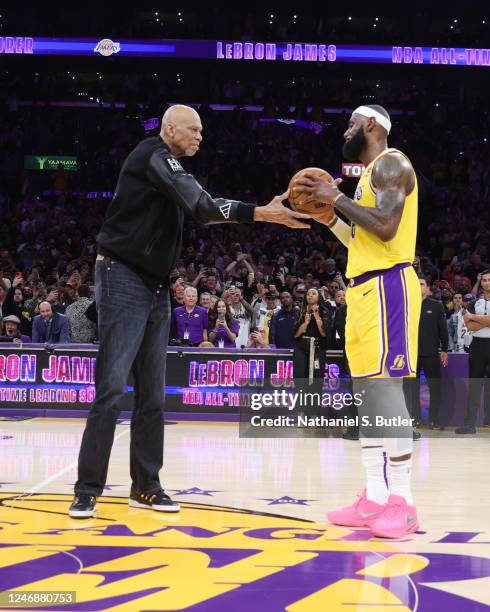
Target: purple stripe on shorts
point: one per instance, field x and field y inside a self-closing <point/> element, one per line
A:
<point x="397" y="359"/>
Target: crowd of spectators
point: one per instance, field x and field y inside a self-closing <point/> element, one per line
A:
<point x="248" y="281"/>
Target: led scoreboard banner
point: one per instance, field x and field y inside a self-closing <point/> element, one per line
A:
<point x="232" y="51"/>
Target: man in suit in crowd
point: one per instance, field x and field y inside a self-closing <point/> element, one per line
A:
<point x="50" y="327"/>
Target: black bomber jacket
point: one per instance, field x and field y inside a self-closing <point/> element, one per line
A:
<point x="144" y="222"/>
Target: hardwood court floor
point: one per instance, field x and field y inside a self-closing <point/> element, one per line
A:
<point x="252" y="533"/>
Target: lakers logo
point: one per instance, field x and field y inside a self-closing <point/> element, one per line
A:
<point x="398" y="363"/>
<point x="107" y="47"/>
<point x="358" y="194"/>
<point x="128" y="559"/>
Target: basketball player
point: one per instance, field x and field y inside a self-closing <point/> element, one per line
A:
<point x="383" y="310"/>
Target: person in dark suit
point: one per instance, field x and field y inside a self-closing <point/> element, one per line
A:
<point x="50" y="327"/>
<point x="433" y="335"/>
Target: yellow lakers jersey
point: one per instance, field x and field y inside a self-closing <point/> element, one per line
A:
<point x="367" y="252"/>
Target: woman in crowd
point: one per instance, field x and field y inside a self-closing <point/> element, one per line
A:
<point x="222" y="327"/>
<point x="311" y="334"/>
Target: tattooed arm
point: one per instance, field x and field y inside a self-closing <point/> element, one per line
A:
<point x="394" y="179"/>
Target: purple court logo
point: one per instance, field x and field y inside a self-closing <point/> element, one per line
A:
<point x="107" y="47"/>
<point x="129" y="559"/>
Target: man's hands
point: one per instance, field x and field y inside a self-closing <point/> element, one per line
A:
<point x="318" y="189"/>
<point x="276" y="212"/>
<point x="444" y="359"/>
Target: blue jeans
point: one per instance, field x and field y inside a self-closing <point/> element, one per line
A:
<point x="133" y="331"/>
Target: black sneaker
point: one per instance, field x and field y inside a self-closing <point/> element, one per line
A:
<point x="83" y="506"/>
<point x="351" y="433"/>
<point x="416" y="435"/>
<point x="466" y="429"/>
<point x="158" y="500"/>
<point x="436" y="425"/>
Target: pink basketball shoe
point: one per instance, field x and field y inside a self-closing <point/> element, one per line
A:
<point x="397" y="520"/>
<point x="360" y="514"/>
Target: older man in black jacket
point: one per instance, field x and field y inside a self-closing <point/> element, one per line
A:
<point x="138" y="246"/>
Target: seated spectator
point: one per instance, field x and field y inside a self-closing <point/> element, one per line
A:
<point x="222" y="327"/>
<point x="282" y="323"/>
<point x="256" y="338"/>
<point x="83" y="330"/>
<point x="11" y="330"/>
<point x="191" y="320"/>
<point x="50" y="327"/>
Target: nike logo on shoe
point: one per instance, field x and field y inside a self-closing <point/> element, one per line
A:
<point x="364" y="515"/>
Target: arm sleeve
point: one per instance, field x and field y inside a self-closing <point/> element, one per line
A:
<point x="443" y="331"/>
<point x="167" y="175"/>
<point x="272" y="330"/>
<point x="35" y="331"/>
<point x="65" y="331"/>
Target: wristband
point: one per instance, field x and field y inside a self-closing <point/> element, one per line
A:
<point x="332" y="223"/>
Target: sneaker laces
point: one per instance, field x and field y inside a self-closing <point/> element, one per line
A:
<point x="392" y="508"/>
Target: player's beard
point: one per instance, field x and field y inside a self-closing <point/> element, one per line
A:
<point x="354" y="147"/>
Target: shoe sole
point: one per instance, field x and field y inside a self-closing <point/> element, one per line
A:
<point x="136" y="504"/>
<point x="396" y="536"/>
<point x="82" y="513"/>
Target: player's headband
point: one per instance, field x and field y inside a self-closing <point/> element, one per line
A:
<point x="365" y="111"/>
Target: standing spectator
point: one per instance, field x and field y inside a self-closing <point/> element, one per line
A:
<point x="38" y="295"/>
<point x="222" y="327"/>
<point x="433" y="334"/>
<point x="11" y="329"/>
<point x="191" y="320"/>
<point x="14" y="305"/>
<point x="53" y="297"/>
<point x="83" y="331"/>
<point x="267" y="311"/>
<point x="459" y="337"/>
<point x="477" y="319"/>
<point x="205" y="301"/>
<point x="311" y="334"/>
<point x="3" y="296"/>
<point x="50" y="327"/>
<point x="281" y="333"/>
<point x="241" y="311"/>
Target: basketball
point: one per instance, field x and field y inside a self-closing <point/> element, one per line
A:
<point x="297" y="199"/>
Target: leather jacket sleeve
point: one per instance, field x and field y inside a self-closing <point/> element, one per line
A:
<point x="169" y="177"/>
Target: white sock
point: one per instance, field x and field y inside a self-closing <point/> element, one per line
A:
<point x="400" y="479"/>
<point x="373" y="460"/>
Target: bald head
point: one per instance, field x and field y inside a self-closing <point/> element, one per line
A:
<point x="181" y="130"/>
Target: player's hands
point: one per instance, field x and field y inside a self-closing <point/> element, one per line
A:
<point x="276" y="212"/>
<point x="317" y="188"/>
<point x="444" y="359"/>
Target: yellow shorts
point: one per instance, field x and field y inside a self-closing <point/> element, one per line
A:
<point x="381" y="331"/>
